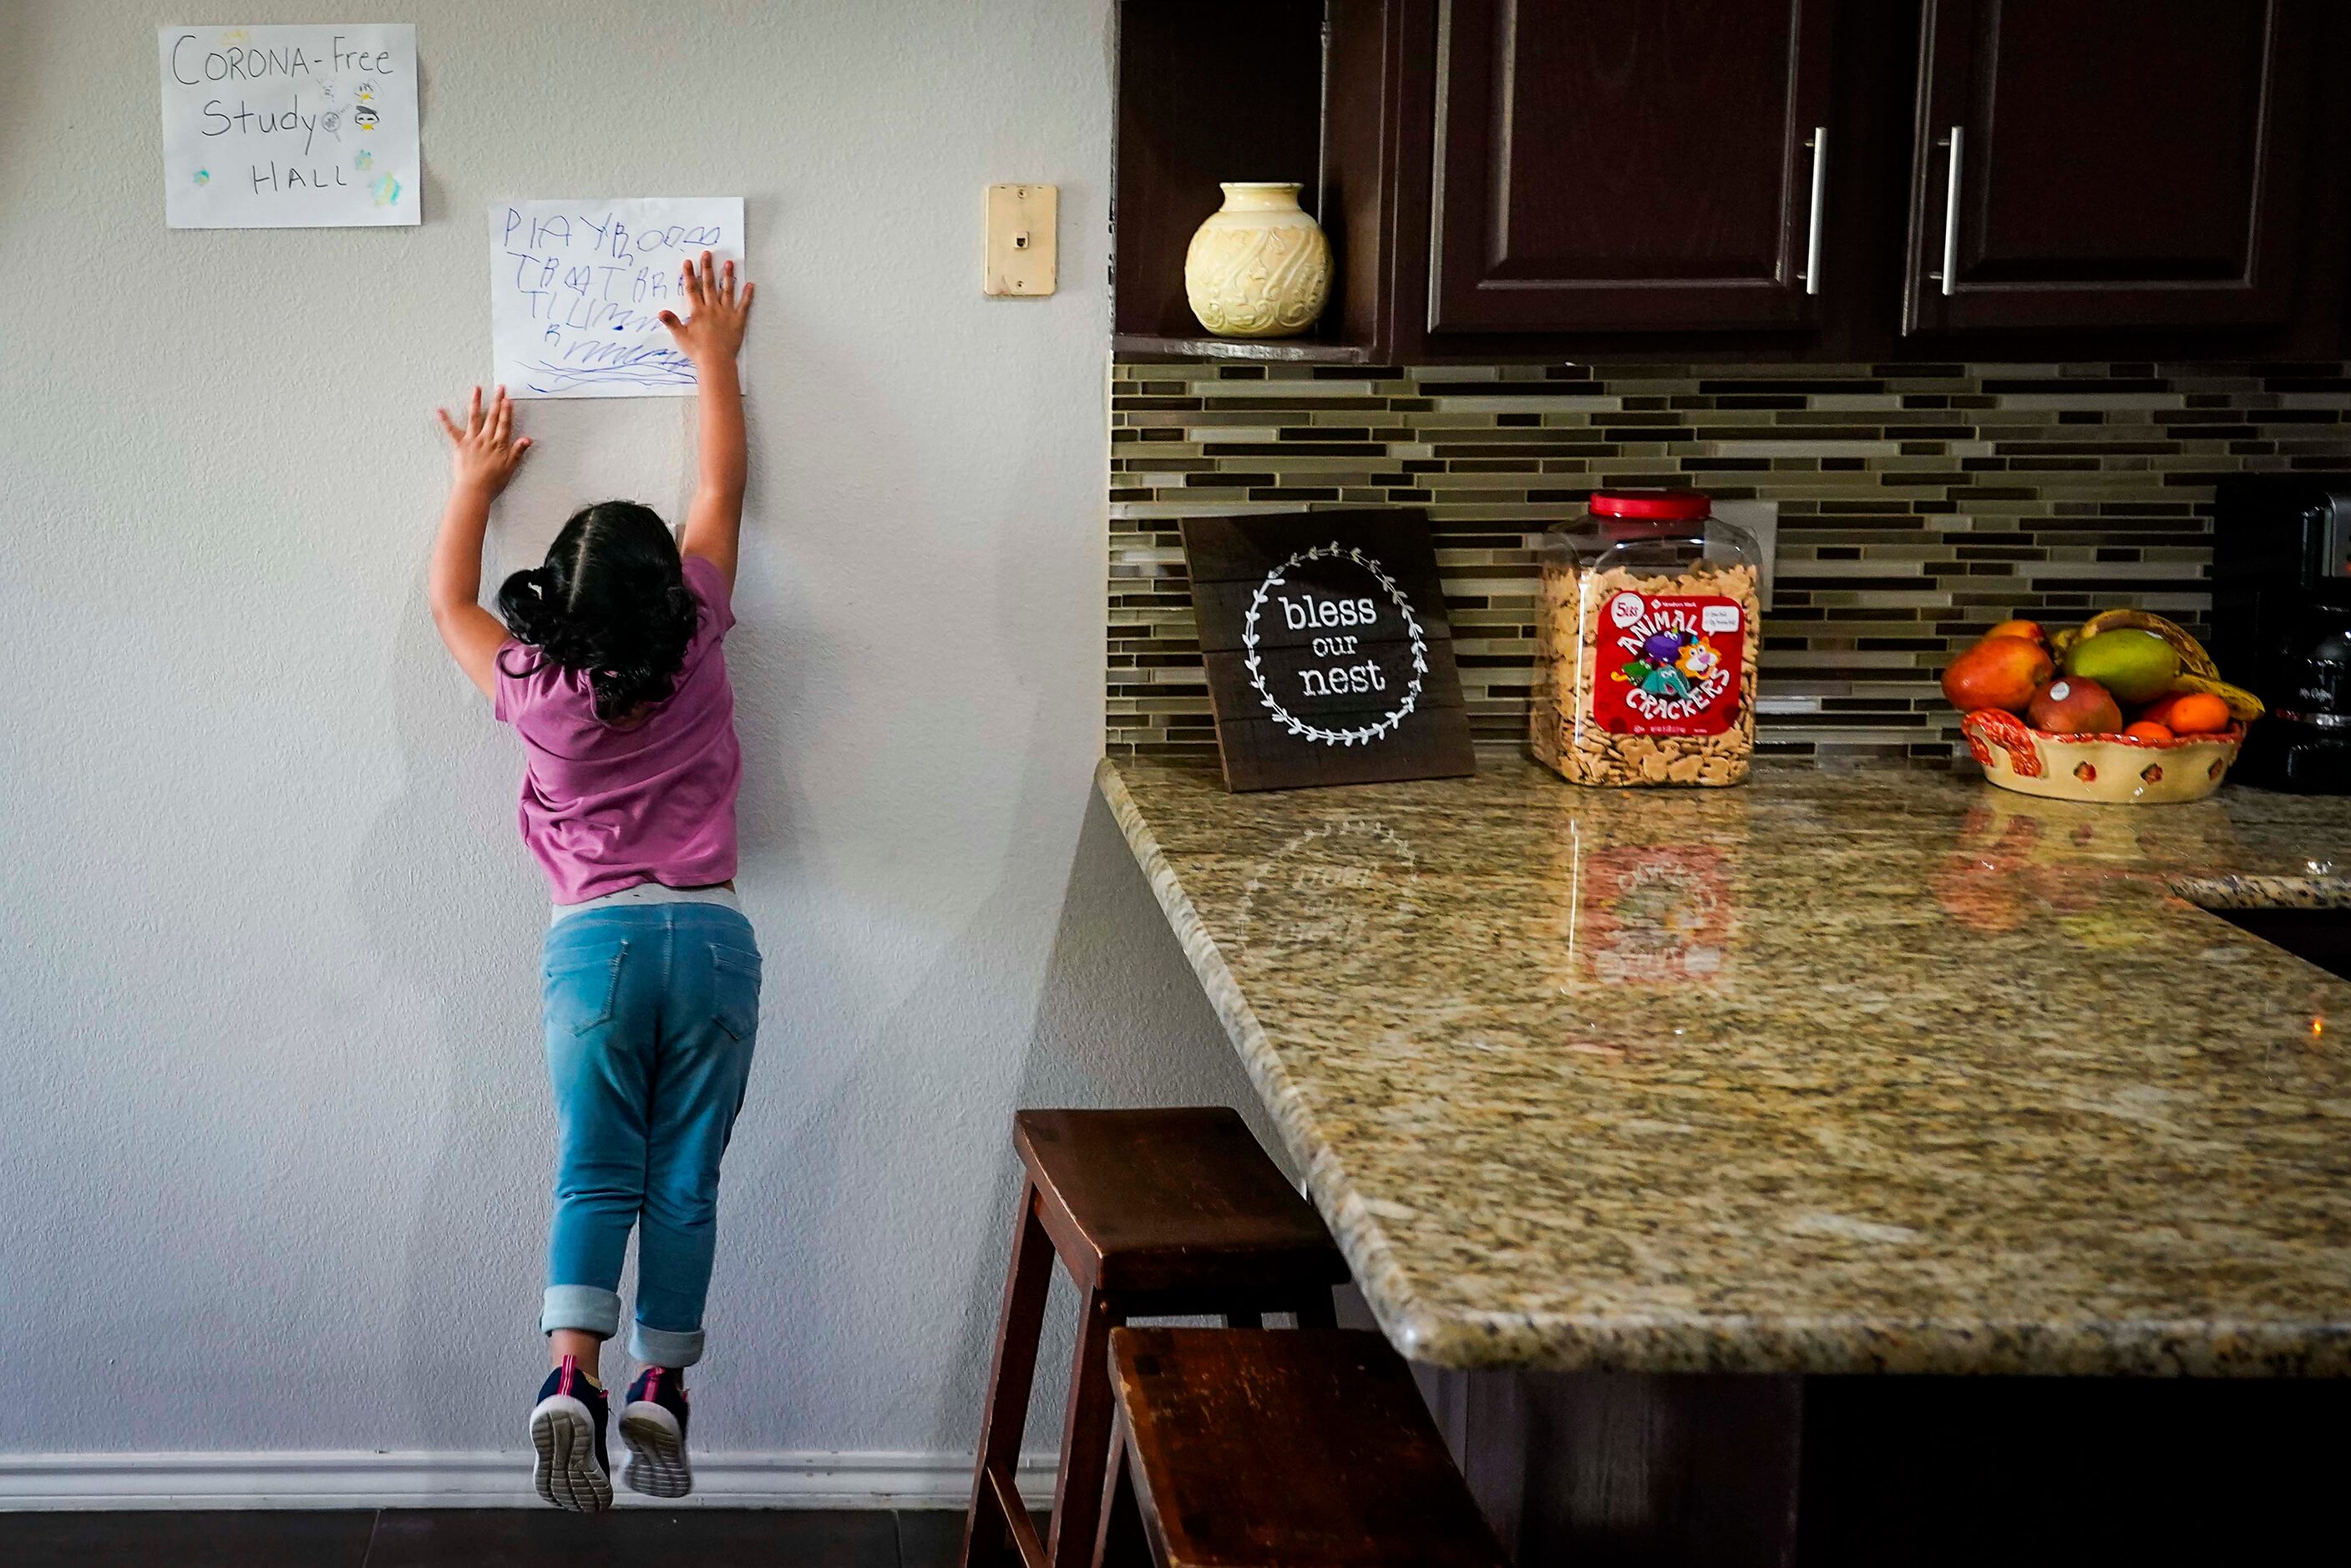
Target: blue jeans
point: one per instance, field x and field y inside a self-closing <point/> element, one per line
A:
<point x="651" y="1013"/>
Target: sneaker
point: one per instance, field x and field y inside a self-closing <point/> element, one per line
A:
<point x="567" y="1428"/>
<point x="653" y="1423"/>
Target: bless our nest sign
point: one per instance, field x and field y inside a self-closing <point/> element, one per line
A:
<point x="1329" y="657"/>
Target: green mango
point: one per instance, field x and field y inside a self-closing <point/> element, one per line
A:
<point x="2136" y="666"/>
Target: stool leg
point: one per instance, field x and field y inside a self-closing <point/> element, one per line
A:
<point x="1085" y="1435"/>
<point x="1316" y="1311"/>
<point x="1121" y="1542"/>
<point x="990" y="1535"/>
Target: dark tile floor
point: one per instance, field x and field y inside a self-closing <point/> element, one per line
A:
<point x="483" y="1538"/>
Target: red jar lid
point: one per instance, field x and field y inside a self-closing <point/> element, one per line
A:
<point x="1678" y="506"/>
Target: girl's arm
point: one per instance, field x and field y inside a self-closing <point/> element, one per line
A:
<point x="711" y="338"/>
<point x="482" y="458"/>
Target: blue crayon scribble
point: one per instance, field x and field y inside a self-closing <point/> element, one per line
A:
<point x="650" y="366"/>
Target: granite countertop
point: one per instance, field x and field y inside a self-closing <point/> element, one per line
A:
<point x="1873" y="1071"/>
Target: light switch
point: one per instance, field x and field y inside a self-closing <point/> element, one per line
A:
<point x="1021" y="256"/>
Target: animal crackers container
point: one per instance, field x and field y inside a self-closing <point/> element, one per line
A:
<point x="1646" y="641"/>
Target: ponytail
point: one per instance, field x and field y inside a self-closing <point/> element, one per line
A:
<point x="526" y="605"/>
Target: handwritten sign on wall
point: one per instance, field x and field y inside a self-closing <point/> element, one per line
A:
<point x="1327" y="648"/>
<point x="577" y="289"/>
<point x="290" y="128"/>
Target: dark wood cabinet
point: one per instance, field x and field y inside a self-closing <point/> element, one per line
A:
<point x="2107" y="163"/>
<point x="1636" y="164"/>
<point x="1760" y="179"/>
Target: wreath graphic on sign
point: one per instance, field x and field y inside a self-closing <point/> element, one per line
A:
<point x="1298" y="727"/>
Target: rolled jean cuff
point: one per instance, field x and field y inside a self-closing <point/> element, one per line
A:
<point x="591" y="1309"/>
<point x="665" y="1347"/>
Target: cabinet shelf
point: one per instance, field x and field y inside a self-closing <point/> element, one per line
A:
<point x="1209" y="91"/>
<point x="1268" y="351"/>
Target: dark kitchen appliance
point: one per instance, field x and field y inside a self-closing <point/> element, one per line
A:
<point x="2282" y="623"/>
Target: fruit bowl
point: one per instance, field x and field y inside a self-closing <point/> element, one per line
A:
<point x="2116" y="769"/>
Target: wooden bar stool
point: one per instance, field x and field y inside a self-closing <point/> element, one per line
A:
<point x="1156" y="1214"/>
<point x="1279" y="1450"/>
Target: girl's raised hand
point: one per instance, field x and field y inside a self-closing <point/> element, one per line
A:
<point x="485" y="452"/>
<point x="714" y="331"/>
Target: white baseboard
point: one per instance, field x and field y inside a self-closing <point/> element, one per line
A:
<point x="482" y="1479"/>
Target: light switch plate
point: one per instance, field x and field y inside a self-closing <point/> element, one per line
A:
<point x="1021" y="255"/>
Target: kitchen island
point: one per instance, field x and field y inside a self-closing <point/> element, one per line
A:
<point x="1687" y="1108"/>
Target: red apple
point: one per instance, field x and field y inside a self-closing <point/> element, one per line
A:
<point x="2070" y="705"/>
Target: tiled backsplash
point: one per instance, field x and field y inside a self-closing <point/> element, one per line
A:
<point x="1919" y="503"/>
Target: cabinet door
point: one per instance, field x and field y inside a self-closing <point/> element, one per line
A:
<point x="2094" y="163"/>
<point x="1628" y="164"/>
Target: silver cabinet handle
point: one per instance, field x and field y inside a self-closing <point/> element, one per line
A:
<point x="1820" y="144"/>
<point x="1951" y="211"/>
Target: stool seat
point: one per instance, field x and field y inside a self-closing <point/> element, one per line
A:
<point x="1245" y="1448"/>
<point x="1175" y="1199"/>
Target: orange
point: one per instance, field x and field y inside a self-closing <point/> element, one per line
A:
<point x="2146" y="730"/>
<point x="2159" y="711"/>
<point x="2198" y="713"/>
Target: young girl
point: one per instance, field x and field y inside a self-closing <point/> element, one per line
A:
<point x="610" y="666"/>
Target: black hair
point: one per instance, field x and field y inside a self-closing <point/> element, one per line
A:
<point x="611" y="602"/>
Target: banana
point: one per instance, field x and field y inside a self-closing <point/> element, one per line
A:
<point x="2244" y="705"/>
<point x="2193" y="660"/>
<point x="2059" y="641"/>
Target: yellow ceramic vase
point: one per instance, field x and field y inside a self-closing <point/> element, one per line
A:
<point x="1259" y="267"/>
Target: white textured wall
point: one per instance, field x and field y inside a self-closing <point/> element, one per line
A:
<point x="276" y="1148"/>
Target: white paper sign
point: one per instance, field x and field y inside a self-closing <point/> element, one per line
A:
<point x="290" y="128"/>
<point x="577" y="289"/>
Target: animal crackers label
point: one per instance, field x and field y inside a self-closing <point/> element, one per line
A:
<point x="1668" y="664"/>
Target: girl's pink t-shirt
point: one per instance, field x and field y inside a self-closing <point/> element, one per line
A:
<point x="606" y="808"/>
